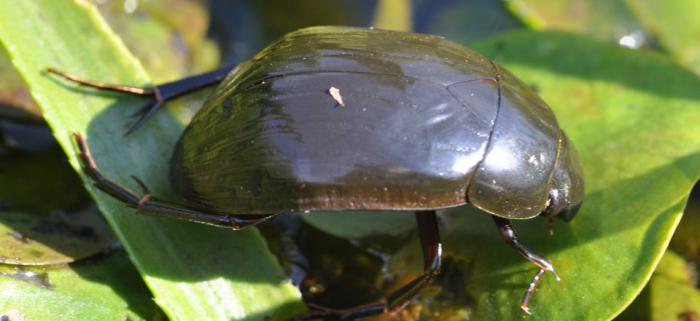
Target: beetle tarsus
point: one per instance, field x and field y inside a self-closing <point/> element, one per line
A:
<point x="99" y="180"/>
<point x="148" y="204"/>
<point x="141" y="184"/>
<point x="146" y="112"/>
<point x="530" y="290"/>
<point x="149" y="109"/>
<point x="556" y="276"/>
<point x="507" y="233"/>
<point x="159" y="94"/>
<point x="140" y="91"/>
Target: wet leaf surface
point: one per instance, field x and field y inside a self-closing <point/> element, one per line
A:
<point x="52" y="238"/>
<point x="46" y="216"/>
<point x="101" y="289"/>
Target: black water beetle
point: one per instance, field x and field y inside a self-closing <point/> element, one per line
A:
<point x="354" y="119"/>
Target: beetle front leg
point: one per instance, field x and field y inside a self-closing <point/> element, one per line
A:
<point x="432" y="258"/>
<point x="148" y="205"/>
<point x="505" y="229"/>
<point x="159" y="94"/>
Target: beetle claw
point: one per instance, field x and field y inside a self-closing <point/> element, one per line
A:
<point x="146" y="112"/>
<point x="556" y="276"/>
<point x="142" y="110"/>
<point x="546" y="265"/>
<point x="143" y="186"/>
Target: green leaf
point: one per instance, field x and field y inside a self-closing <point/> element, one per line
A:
<point x="393" y="15"/>
<point x="28" y="238"/>
<point x="168" y="36"/>
<point x="669" y="295"/>
<point x="99" y="289"/>
<point x="15" y="101"/>
<point x="676" y="25"/>
<point x="195" y="272"/>
<point x="607" y="20"/>
<point x="672" y="25"/>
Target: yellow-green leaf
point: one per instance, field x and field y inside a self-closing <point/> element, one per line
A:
<point x="195" y="272"/>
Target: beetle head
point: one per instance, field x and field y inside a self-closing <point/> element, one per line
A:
<point x="566" y="193"/>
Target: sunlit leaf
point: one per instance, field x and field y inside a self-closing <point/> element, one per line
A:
<point x="101" y="289"/>
<point x="195" y="272"/>
<point x="672" y="26"/>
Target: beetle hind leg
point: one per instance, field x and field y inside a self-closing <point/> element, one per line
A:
<point x="158" y="94"/>
<point x="432" y="258"/>
<point x="147" y="204"/>
<point x="507" y="233"/>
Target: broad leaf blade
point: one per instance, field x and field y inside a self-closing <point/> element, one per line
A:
<point x="195" y="272"/>
<point x="676" y="25"/>
<point x="103" y="289"/>
<point x="669" y="295"/>
<point x="609" y="20"/>
<point x="671" y="25"/>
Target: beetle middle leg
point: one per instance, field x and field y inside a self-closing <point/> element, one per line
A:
<point x="505" y="229"/>
<point x="432" y="258"/>
<point x="159" y="94"/>
<point x="148" y="205"/>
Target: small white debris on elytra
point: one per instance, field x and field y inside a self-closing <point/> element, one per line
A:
<point x="335" y="93"/>
<point x="533" y="160"/>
